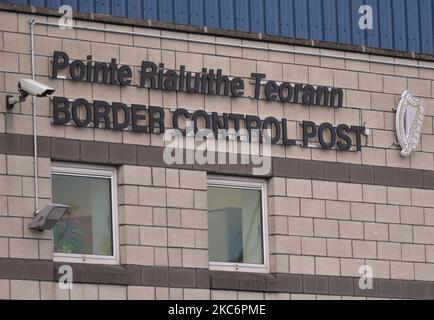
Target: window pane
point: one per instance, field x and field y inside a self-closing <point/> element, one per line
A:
<point x="235" y="225"/>
<point x="87" y="228"/>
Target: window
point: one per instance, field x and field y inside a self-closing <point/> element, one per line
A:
<point x="237" y="228"/>
<point x="88" y="233"/>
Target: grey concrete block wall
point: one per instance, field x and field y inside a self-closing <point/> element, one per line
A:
<point x="329" y="211"/>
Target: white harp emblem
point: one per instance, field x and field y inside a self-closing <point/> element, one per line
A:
<point x="409" y="122"/>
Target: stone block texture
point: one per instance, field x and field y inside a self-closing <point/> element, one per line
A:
<point x="326" y="217"/>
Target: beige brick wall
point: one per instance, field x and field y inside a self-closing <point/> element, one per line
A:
<point x="315" y="227"/>
<point x="326" y="237"/>
<point x="41" y="290"/>
<point x="18" y="202"/>
<point x="372" y="90"/>
<point x="164" y="222"/>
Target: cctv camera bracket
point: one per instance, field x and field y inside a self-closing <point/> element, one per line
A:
<point x="11" y="101"/>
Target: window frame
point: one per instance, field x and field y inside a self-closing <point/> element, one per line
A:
<point x="251" y="184"/>
<point x="92" y="171"/>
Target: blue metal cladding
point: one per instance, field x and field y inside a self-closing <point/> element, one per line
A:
<point x="404" y="25"/>
<point x="386" y="24"/>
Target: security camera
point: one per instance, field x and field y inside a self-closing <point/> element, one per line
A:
<point x="34" y="88"/>
<point x="28" y="87"/>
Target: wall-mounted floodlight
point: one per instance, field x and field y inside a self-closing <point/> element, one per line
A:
<point x="48" y="217"/>
<point x="28" y="87"/>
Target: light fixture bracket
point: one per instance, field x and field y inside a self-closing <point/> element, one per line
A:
<point x="46" y="218"/>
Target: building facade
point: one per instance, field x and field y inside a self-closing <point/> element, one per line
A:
<point x="334" y="211"/>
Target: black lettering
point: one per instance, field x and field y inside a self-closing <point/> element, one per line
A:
<point x="358" y="130"/>
<point x="285" y="86"/>
<point x="298" y="88"/>
<point x="76" y="110"/>
<point x="153" y="111"/>
<point x="200" y="114"/>
<point x="237" y="87"/>
<point x="117" y="125"/>
<point x="113" y="69"/>
<point x="226" y="83"/>
<point x="322" y="96"/>
<point x="61" y="106"/>
<point x="342" y="132"/>
<point x="101" y="68"/>
<point x="60" y="62"/>
<point x="211" y="79"/>
<point x="77" y="70"/>
<point x="195" y="87"/>
<point x="218" y="123"/>
<point x="272" y="121"/>
<point x="160" y="76"/>
<point x="98" y="114"/>
<point x="250" y="127"/>
<point x="89" y="69"/>
<point x="306" y="134"/>
<point x="148" y="73"/>
<point x="171" y="82"/>
<point x="308" y="95"/>
<point x="258" y="79"/>
<point x="271" y="90"/>
<point x="340" y="95"/>
<point x="175" y="118"/>
<point x="204" y="80"/>
<point x="286" y="141"/>
<point x="322" y="142"/>
<point x="136" y="117"/>
<point x="236" y="119"/>
<point x="125" y="75"/>
<point x="182" y="78"/>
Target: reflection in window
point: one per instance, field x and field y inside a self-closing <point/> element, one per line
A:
<point x="235" y="225"/>
<point x="87" y="228"/>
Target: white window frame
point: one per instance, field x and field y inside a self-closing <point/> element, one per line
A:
<point x="92" y="171"/>
<point x="252" y="184"/>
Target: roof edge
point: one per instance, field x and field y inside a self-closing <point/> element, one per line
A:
<point x="155" y="24"/>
